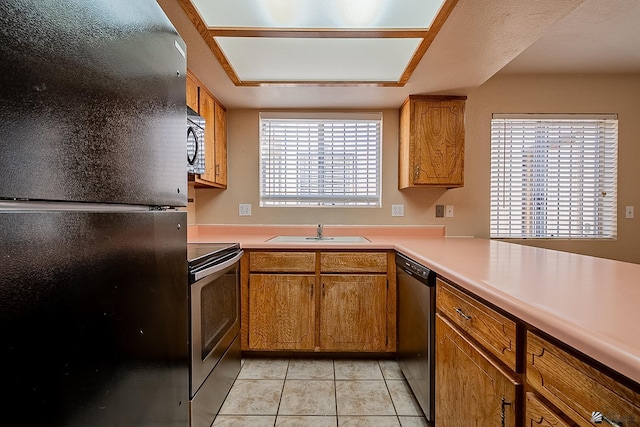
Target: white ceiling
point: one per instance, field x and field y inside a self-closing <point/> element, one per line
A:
<point x="479" y="39"/>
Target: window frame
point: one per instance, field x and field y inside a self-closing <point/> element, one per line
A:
<point x="367" y="194"/>
<point x="526" y="149"/>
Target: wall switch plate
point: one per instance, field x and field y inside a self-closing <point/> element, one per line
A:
<point x="628" y="212"/>
<point x="245" y="209"/>
<point x="448" y="212"/>
<point x="397" y="210"/>
<point x="439" y="211"/>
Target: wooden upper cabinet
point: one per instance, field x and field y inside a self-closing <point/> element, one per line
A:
<point x="220" y="132"/>
<point x="192" y="93"/>
<point x="431" y="142"/>
<point x="215" y="134"/>
<point x="207" y="110"/>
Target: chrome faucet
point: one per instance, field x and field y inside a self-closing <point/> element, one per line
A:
<point x="319" y="236"/>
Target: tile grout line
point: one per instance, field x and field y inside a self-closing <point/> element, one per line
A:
<point x="286" y="373"/>
<point x="335" y="389"/>
<point x="395" y="409"/>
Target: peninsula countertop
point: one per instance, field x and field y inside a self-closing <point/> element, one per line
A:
<point x="591" y="304"/>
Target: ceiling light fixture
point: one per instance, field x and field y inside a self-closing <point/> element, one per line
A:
<point x="318" y="42"/>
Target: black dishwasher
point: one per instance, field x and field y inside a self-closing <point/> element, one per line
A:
<point x="416" y="330"/>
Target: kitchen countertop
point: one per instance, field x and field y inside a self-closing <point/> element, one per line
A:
<point x="591" y="304"/>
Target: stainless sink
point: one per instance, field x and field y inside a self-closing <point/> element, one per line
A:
<point x="309" y="239"/>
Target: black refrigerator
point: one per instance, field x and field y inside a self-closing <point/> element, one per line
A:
<point x="93" y="271"/>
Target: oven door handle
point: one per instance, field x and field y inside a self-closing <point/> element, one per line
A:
<point x="218" y="267"/>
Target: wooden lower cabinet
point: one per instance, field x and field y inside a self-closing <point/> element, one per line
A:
<point x="353" y="313"/>
<point x="281" y="312"/>
<point x="318" y="301"/>
<point x="576" y="387"/>
<point x="471" y="389"/>
<point x="538" y="414"/>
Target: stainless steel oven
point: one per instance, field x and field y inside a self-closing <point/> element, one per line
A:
<point x="214" y="293"/>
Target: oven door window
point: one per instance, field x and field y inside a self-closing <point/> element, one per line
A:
<point x="219" y="310"/>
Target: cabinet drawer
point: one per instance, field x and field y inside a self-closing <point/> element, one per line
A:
<point x="538" y="414"/>
<point x="491" y="329"/>
<point x="353" y="262"/>
<point x="284" y="262"/>
<point x="576" y="387"/>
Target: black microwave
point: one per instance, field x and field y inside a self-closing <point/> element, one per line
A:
<point x="195" y="142"/>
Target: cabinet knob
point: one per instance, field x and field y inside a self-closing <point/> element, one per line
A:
<point x="597" y="417"/>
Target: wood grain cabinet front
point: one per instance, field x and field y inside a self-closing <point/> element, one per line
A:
<point x="539" y="414"/>
<point x="202" y="101"/>
<point x="353" y="312"/>
<point x="577" y="387"/>
<point x="431" y="148"/>
<point x="281" y="312"/>
<point x="318" y="301"/>
<point x="492" y="330"/>
<point x="471" y="389"/>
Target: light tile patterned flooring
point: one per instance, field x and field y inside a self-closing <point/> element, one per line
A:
<point x="320" y="392"/>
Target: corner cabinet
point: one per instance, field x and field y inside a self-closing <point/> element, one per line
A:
<point x="201" y="100"/>
<point x="318" y="301"/>
<point x="493" y="369"/>
<point x="431" y="152"/>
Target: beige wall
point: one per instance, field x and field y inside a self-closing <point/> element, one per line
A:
<point x="561" y="94"/>
<point x="506" y="94"/>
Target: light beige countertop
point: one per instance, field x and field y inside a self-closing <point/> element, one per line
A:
<point x="591" y="304"/>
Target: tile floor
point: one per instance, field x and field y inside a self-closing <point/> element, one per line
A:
<point x="320" y="392"/>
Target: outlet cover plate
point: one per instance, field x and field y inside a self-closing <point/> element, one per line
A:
<point x="629" y="212"/>
<point x="397" y="210"/>
<point x="439" y="211"/>
<point x="448" y="212"/>
<point x="244" y="209"/>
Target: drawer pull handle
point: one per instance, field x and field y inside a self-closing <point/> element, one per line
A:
<point x="503" y="416"/>
<point x="597" y="417"/>
<point x="461" y="313"/>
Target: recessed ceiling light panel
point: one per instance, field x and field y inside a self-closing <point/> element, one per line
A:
<point x="318" y="41"/>
<point x="263" y="59"/>
<point x="318" y="13"/>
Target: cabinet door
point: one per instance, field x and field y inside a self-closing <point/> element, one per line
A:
<point x="470" y="387"/>
<point x="353" y="313"/>
<point x="281" y="312"/>
<point x="192" y="93"/>
<point x="438" y="132"/>
<point x="220" y="124"/>
<point x="207" y="110"/>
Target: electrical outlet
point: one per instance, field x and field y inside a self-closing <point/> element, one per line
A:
<point x="439" y="211"/>
<point x="244" y="209"/>
<point x="397" y="210"/>
<point x="628" y="212"/>
<point x="448" y="211"/>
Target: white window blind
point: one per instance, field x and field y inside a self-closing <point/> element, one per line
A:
<point x="320" y="161"/>
<point x="553" y="176"/>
